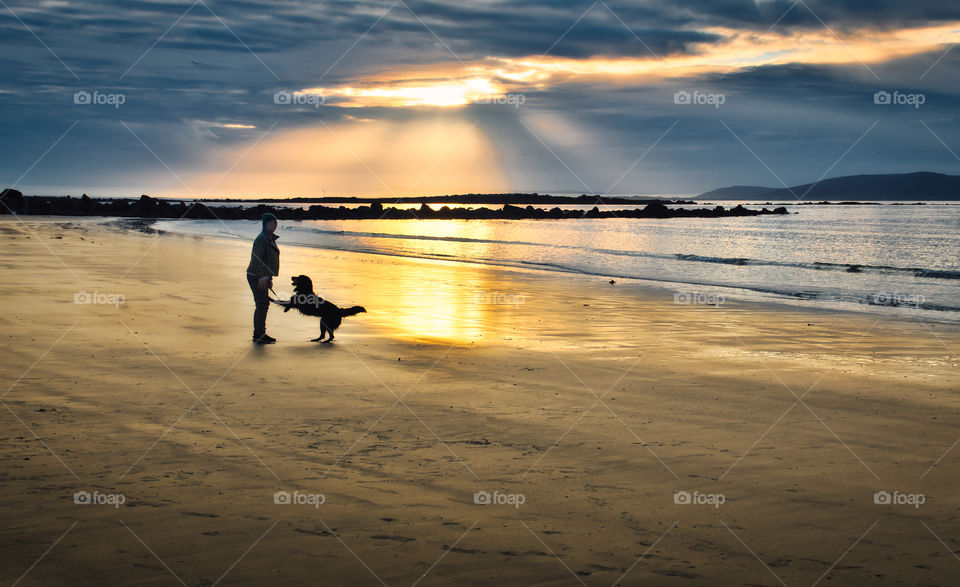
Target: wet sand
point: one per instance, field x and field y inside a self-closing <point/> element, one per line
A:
<point x="599" y="406"/>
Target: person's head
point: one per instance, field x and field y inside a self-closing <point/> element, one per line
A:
<point x="269" y="223"/>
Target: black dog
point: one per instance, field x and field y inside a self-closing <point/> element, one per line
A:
<point x="310" y="304"/>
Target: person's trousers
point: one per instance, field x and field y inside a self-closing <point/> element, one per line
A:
<point x="263" y="304"/>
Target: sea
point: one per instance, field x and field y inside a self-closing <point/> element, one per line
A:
<point x="896" y="259"/>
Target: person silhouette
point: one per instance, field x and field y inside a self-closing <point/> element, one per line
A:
<point x="264" y="265"/>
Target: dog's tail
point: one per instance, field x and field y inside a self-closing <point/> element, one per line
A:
<point x="352" y="311"/>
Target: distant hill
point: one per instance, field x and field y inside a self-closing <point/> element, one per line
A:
<point x="921" y="185"/>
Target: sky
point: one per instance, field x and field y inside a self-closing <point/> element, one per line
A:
<point x="234" y="98"/>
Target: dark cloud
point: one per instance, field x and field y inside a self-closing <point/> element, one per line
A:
<point x="761" y="14"/>
<point x="796" y="117"/>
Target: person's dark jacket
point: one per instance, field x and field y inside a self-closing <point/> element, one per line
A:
<point x="265" y="257"/>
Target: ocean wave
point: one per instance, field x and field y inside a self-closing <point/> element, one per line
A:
<point x="812" y="265"/>
<point x="824" y="266"/>
<point x="851" y="299"/>
<point x="849" y="292"/>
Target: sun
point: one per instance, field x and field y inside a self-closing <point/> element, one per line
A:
<point x="437" y="93"/>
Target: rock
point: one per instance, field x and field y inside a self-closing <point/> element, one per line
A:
<point x="12" y="201"/>
<point x="656" y="210"/>
<point x="147" y="207"/>
<point x="509" y="211"/>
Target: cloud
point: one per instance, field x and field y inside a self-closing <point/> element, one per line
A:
<point x="459" y="84"/>
<point x="436" y="155"/>
<point x="597" y="86"/>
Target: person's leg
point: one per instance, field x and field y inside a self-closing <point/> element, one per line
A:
<point x="262" y="303"/>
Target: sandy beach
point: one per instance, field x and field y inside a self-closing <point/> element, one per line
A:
<point x="619" y="437"/>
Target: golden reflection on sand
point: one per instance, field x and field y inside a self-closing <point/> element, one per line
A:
<point x="434" y="301"/>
